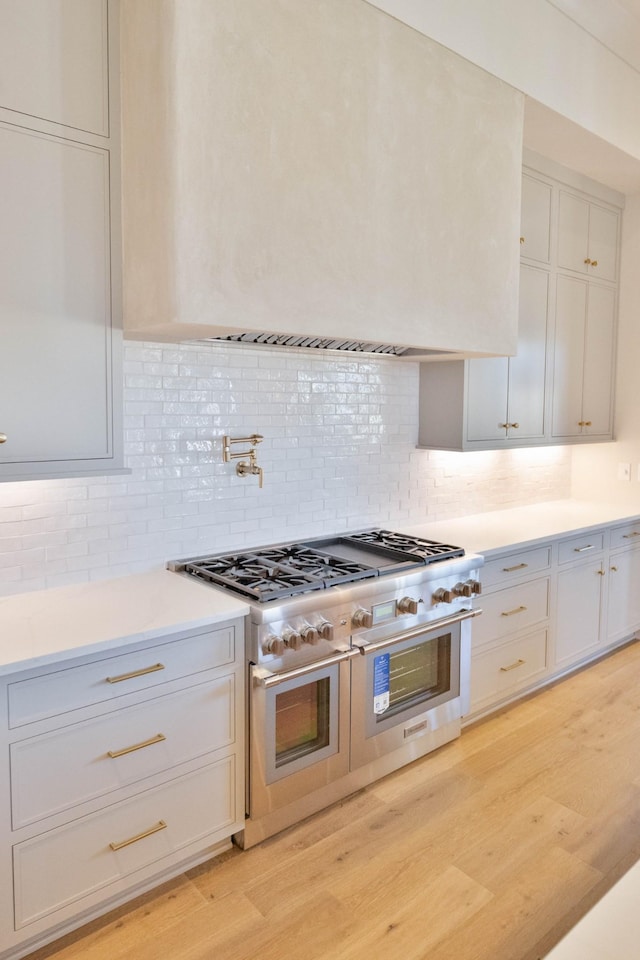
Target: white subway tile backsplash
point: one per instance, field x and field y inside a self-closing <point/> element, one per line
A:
<point x="338" y="454"/>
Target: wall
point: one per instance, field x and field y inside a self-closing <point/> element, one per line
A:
<point x="539" y="50"/>
<point x="339" y="453"/>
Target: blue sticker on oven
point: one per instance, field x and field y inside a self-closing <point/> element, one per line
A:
<point x="381" y="674"/>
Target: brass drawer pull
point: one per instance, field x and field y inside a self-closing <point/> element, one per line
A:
<point x="3" y="438"/>
<point x="513" y="666"/>
<point x="590" y="546"/>
<point x="629" y="536"/>
<point x="518" y="566"/>
<point x="510" y="613"/>
<point x="160" y="825"/>
<point x="136" y="673"/>
<point x="159" y="737"/>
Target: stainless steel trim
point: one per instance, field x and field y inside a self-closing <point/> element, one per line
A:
<point x="428" y="627"/>
<point x="266" y="679"/>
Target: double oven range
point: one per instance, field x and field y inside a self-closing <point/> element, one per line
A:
<point x="358" y="660"/>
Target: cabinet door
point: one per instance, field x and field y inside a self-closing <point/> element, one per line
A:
<point x="603" y="243"/>
<point x="527" y="369"/>
<point x="598" y="360"/>
<point x="623" y="608"/>
<point x="56" y="363"/>
<point x="568" y="358"/>
<point x="578" y="612"/>
<point x="573" y="232"/>
<point x="487" y="385"/>
<point x="53" y="61"/>
<point x="535" y="224"/>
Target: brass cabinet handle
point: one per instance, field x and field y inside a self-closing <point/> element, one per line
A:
<point x="160" y="825"/>
<point x="514" y="425"/>
<point x="505" y="426"/>
<point x="521" y="239"/>
<point x="614" y="569"/>
<point x="136" y="673"/>
<point x="512" y="666"/>
<point x="159" y="737"/>
<point x="584" y="423"/>
<point x="510" y="613"/>
<point x="589" y="546"/>
<point x="518" y="566"/>
<point x="628" y="536"/>
<point x="3" y="438"/>
<point x="600" y="573"/>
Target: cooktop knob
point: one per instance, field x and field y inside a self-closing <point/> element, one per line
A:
<point x="476" y="586"/>
<point x="408" y="605"/>
<point x="463" y="589"/>
<point x="361" y="618"/>
<point x="274" y="644"/>
<point x="292" y="639"/>
<point x="325" y="630"/>
<point x="309" y="634"/>
<point x="443" y="596"/>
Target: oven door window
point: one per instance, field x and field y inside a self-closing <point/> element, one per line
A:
<point x="301" y="722"/>
<point x="412" y="676"/>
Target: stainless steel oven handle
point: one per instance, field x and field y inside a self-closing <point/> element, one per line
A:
<point x="429" y="627"/>
<point x="264" y="678"/>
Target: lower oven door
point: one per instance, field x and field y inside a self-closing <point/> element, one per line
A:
<point x="299" y="731"/>
<point x="410" y="691"/>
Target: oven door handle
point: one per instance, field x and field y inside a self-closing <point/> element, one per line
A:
<point x="431" y="627"/>
<point x="264" y="678"/>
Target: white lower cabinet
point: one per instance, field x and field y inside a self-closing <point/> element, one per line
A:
<point x="499" y="672"/>
<point x="623" y="575"/>
<point x="120" y="771"/>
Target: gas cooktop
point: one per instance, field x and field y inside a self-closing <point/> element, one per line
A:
<point x="274" y="573"/>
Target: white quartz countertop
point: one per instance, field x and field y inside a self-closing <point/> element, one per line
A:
<point x="51" y="625"/>
<point x="500" y="530"/>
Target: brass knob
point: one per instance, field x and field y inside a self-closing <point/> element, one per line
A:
<point x="514" y="425"/>
<point x="587" y="423"/>
<point x="443" y="596"/>
<point x="587" y="260"/>
<point x="594" y="263"/>
<point x="521" y="239"/>
<point x="3" y="438"/>
<point x="504" y="426"/>
<point x="462" y="589"/>
<point x="614" y="569"/>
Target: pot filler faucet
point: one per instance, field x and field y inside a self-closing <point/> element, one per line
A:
<point x="248" y="458"/>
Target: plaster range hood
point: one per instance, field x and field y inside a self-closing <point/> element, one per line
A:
<point x="319" y="173"/>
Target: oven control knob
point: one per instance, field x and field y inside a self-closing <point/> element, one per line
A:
<point x="443" y="596"/>
<point x="476" y="586"/>
<point x="408" y="605"/>
<point x="292" y="639"/>
<point x="463" y="589"/>
<point x="274" y="645"/>
<point x="361" y="618"/>
<point x="309" y="634"/>
<point x="325" y="630"/>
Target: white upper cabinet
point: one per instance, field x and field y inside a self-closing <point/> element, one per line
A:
<point x="315" y="169"/>
<point x="587" y="237"/>
<point x="60" y="364"/>
<point x="535" y="225"/>
<point x="54" y="61"/>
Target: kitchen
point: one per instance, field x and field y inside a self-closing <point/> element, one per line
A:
<point x="339" y="453"/>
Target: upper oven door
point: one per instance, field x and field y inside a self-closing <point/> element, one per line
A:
<point x="409" y="686"/>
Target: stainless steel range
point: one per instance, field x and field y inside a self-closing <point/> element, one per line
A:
<point x="358" y="654"/>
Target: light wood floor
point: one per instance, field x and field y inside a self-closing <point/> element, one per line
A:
<point x="489" y="849"/>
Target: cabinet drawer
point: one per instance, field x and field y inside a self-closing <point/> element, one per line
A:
<point x="104" y="680"/>
<point x="59" y="770"/>
<point x="580" y="547"/>
<point x="144" y="830"/>
<point x="502" y="570"/>
<point x="511" y="610"/>
<point x="500" y="670"/>
<point x="626" y="536"/>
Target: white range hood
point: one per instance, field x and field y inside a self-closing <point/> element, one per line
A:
<point x="316" y="171"/>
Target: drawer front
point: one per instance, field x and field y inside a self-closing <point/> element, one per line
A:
<point x="504" y="570"/>
<point x="511" y="611"/>
<point x="580" y="547"/>
<point x="498" y="671"/>
<point x="626" y="536"/>
<point x="144" y="830"/>
<point x="59" y="770"/>
<point x="102" y="680"/>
